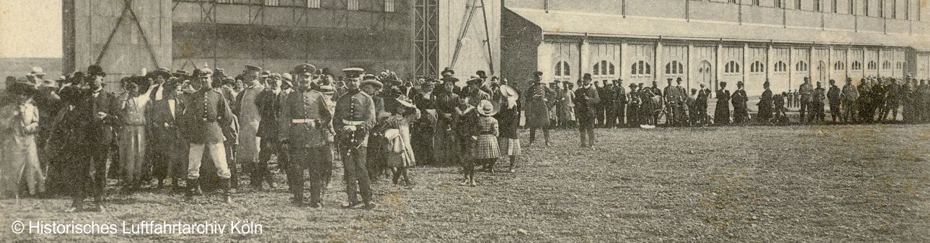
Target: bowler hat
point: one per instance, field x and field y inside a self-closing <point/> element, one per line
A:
<point x="481" y="74"/>
<point x="447" y="70"/>
<point x="587" y="76"/>
<point x="538" y="73"/>
<point x="96" y="70"/>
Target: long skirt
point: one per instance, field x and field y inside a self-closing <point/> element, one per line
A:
<point x="20" y="158"/>
<point x="132" y="151"/>
<point x="446" y="147"/>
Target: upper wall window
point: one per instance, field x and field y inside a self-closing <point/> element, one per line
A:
<point x="674" y="67"/>
<point x="801" y="67"/>
<point x="389" y="6"/>
<point x="352" y="5"/>
<point x="562" y="70"/>
<point x="731" y="68"/>
<point x="757" y="67"/>
<point x="640" y="69"/>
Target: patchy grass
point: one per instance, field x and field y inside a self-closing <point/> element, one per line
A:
<point x="733" y="184"/>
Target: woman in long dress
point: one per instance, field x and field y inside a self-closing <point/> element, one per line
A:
<point x="722" y="111"/>
<point x="18" y="124"/>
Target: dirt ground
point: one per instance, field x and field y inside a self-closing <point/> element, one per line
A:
<point x="732" y="184"/>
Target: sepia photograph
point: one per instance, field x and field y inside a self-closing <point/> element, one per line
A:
<point x="465" y="121"/>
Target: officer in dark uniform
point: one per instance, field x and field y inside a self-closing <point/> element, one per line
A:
<point x="205" y="119"/>
<point x="805" y="91"/>
<point x="817" y="98"/>
<point x="306" y="128"/>
<point x="354" y="117"/>
<point x="833" y="96"/>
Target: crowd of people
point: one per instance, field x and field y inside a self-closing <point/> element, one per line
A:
<point x="162" y="128"/>
<point x="875" y="99"/>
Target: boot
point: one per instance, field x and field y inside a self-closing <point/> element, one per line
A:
<point x="546" y="136"/>
<point x="227" y="195"/>
<point x="192" y="186"/>
<point x="513" y="162"/>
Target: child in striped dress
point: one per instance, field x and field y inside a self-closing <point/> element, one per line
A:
<point x="484" y="138"/>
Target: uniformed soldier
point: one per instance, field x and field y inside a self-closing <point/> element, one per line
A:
<point x="766" y="101"/>
<point x="620" y="102"/>
<point x="635" y="102"/>
<point x="306" y="128"/>
<point x="817" y="98"/>
<point x="906" y="95"/>
<point x="805" y="92"/>
<point x="850" y="103"/>
<point x="204" y="119"/>
<point x="674" y="100"/>
<point x="537" y="107"/>
<point x="700" y="105"/>
<point x="354" y="117"/>
<point x="865" y="100"/>
<point x="833" y="95"/>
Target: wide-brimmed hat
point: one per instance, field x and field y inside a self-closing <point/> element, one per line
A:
<point x="405" y="101"/>
<point x="371" y="80"/>
<point x="510" y="94"/>
<point x="159" y="72"/>
<point x="487" y="108"/>
<point x="23" y="86"/>
<point x="474" y="79"/>
<point x="37" y="71"/>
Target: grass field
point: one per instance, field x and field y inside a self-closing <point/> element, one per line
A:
<point x="733" y="184"/>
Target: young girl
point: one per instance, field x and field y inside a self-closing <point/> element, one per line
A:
<point x="485" y="149"/>
<point x="18" y="124"/>
<point x="399" y="152"/>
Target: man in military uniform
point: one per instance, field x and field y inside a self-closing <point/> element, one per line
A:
<point x="620" y="102"/>
<point x="833" y="95"/>
<point x="850" y="103"/>
<point x="805" y="93"/>
<point x="306" y="128"/>
<point x="204" y="119"/>
<point x="249" y="118"/>
<point x="766" y="103"/>
<point x="375" y="159"/>
<point x="354" y="117"/>
<point x="674" y="99"/>
<point x="816" y="104"/>
<point x="865" y="101"/>
<point x="635" y="103"/>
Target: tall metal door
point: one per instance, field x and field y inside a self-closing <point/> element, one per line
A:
<point x="427" y="38"/>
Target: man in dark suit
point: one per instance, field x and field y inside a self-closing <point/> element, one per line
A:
<point x="105" y="109"/>
<point x="268" y="103"/>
